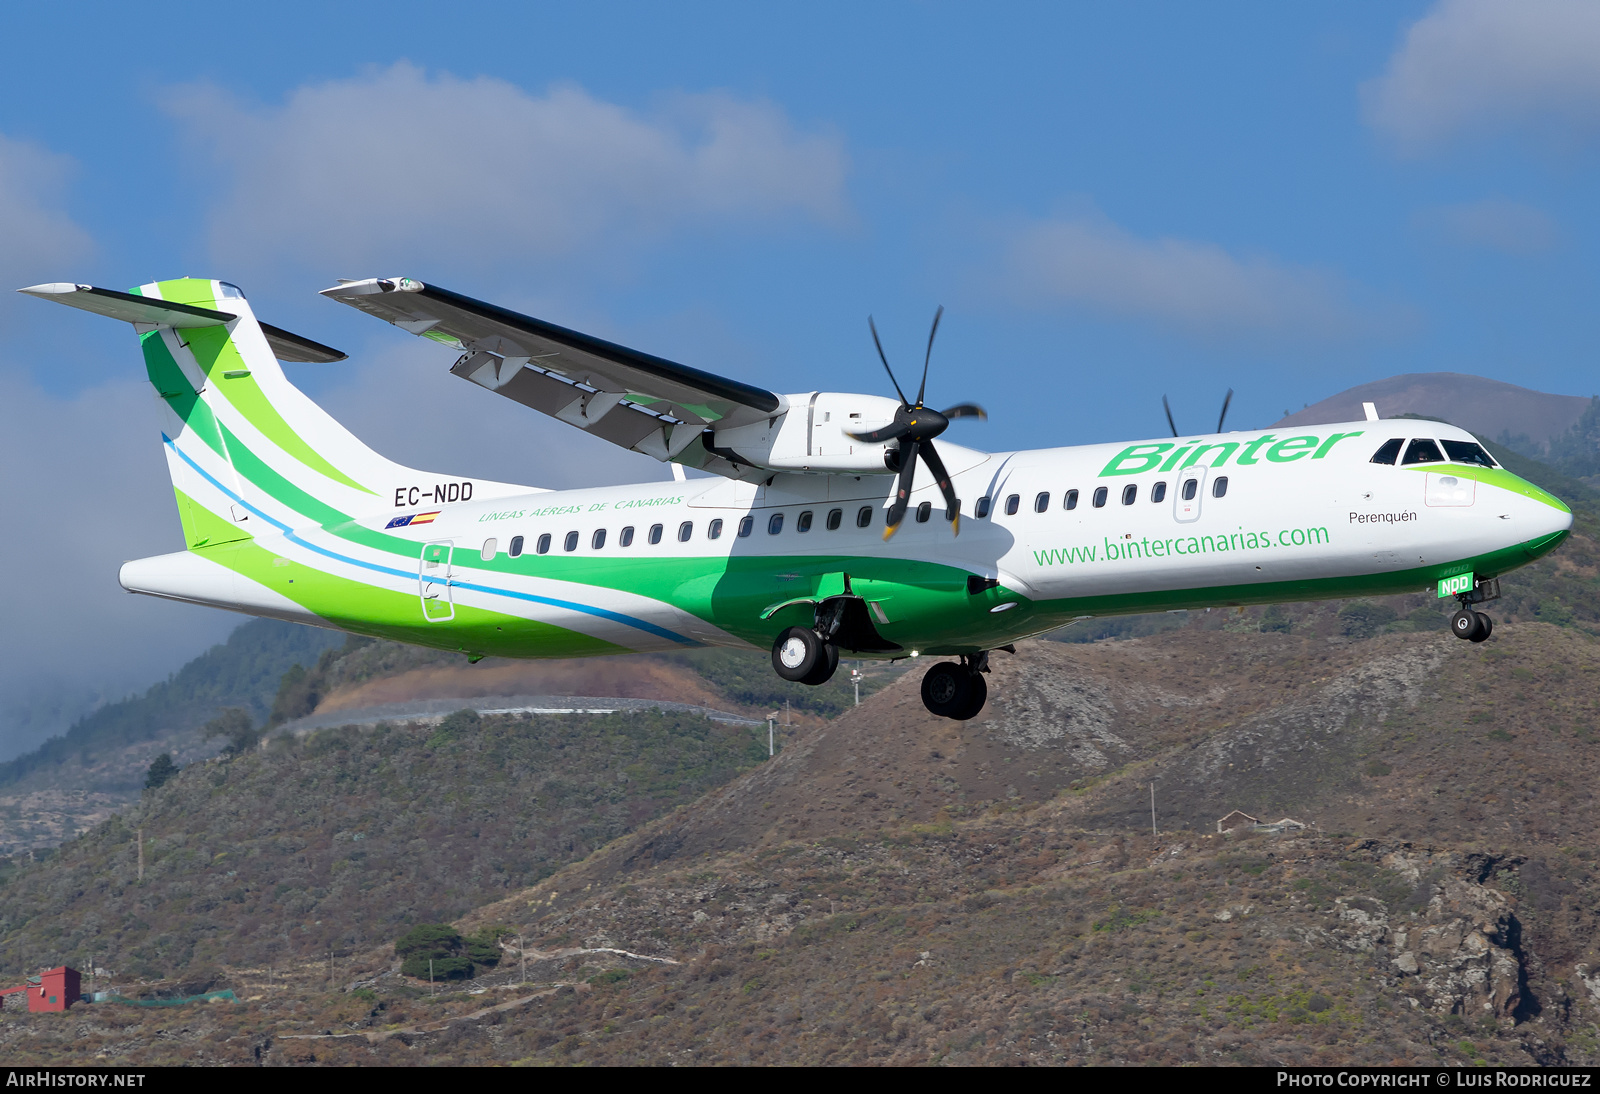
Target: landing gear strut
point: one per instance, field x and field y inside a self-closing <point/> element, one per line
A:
<point x="1468" y="623"/>
<point x="957" y="691"/>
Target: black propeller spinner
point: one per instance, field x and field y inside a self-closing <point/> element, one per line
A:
<point x="1226" y="399"/>
<point x="916" y="426"/>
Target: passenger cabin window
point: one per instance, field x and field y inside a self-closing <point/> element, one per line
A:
<point x="1190" y="488"/>
<point x="1158" y="492"/>
<point x="490" y="546"/>
<point x="1423" y="450"/>
<point x="924" y="511"/>
<point x="516" y="546"/>
<point x="714" y="529"/>
<point x="1070" y="499"/>
<point x="864" y="517"/>
<point x="1467" y="452"/>
<point x="655" y="534"/>
<point x="1389" y="452"/>
<point x="802" y="523"/>
<point x="598" y="540"/>
<point x="1099" y="499"/>
<point x="1041" y="502"/>
<point x="543" y="546"/>
<point x="746" y="526"/>
<point x="1130" y="494"/>
<point x="983" y="508"/>
<point x="835" y="518"/>
<point x="1219" y="486"/>
<point x="626" y="538"/>
<point x="774" y="524"/>
<point x="1013" y="503"/>
<point x="572" y="542"/>
<point x="685" y="530"/>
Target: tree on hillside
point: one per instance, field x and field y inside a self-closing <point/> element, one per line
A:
<point x="161" y="769"/>
<point x="236" y="725"/>
<point x="437" y="943"/>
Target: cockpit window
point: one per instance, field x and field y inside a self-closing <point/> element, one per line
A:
<point x="1422" y="450"/>
<point x="1467" y="452"/>
<point x="1389" y="452"/>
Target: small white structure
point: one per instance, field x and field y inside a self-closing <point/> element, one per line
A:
<point x="1236" y="819"/>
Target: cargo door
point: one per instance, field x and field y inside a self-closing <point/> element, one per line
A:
<point x="433" y="582"/>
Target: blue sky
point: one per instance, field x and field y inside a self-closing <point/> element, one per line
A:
<point x="1112" y="201"/>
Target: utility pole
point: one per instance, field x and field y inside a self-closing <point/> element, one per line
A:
<point x="855" y="678"/>
<point x="141" y="854"/>
<point x="1152" y="810"/>
<point x="771" y="718"/>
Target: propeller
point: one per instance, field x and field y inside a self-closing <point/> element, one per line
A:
<point x="915" y="426"/>
<point x="1172" y="425"/>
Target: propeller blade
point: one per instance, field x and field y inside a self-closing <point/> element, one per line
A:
<point x="902" y="494"/>
<point x="1226" y="399"/>
<point x="966" y="410"/>
<point x="929" y="356"/>
<point x="1172" y="425"/>
<point x="930" y="456"/>
<point x="874" y="328"/>
<point x="887" y="433"/>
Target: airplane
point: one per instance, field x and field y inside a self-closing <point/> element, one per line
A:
<point x="829" y="523"/>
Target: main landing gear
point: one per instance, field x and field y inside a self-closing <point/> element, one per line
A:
<point x="801" y="655"/>
<point x="1469" y="623"/>
<point x="957" y="691"/>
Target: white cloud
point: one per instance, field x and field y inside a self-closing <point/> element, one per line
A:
<point x="361" y="172"/>
<point x="1199" y="287"/>
<point x="86" y="477"/>
<point x="38" y="240"/>
<point x="1479" y="65"/>
<point x="1495" y="223"/>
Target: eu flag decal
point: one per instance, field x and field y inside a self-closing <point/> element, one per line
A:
<point x="399" y="522"/>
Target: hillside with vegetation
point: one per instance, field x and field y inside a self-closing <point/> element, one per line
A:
<point x="898" y="888"/>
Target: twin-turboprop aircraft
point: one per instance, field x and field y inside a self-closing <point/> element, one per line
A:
<point x="830" y="522"/>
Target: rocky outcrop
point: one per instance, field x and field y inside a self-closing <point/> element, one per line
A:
<point x="1454" y="938"/>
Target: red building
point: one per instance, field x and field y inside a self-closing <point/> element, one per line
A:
<point x="53" y="989"/>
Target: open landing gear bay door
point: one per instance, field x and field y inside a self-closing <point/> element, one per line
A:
<point x="629" y="398"/>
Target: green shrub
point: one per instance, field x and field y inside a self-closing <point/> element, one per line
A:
<point x="437" y="943"/>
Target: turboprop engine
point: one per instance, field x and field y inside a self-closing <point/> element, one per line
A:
<point x="814" y="435"/>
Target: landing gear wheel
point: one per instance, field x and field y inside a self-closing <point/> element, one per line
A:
<point x="1464" y="624"/>
<point x="1485" y="628"/>
<point x="826" y="665"/>
<point x="947" y="690"/>
<point x="797" y="654"/>
<point x="976" y="697"/>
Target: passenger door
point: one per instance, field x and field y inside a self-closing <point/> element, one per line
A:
<point x="1187" y="493"/>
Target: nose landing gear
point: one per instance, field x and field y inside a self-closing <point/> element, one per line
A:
<point x="1469" y="623"/>
<point x="957" y="691"/>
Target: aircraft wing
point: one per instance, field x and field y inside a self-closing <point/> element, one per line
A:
<point x="630" y="398"/>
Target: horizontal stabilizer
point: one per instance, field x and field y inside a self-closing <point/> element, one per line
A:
<point x="132" y="308"/>
<point x="128" y="307"/>
<point x="294" y="347"/>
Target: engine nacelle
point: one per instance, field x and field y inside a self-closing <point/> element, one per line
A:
<point x="811" y="436"/>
